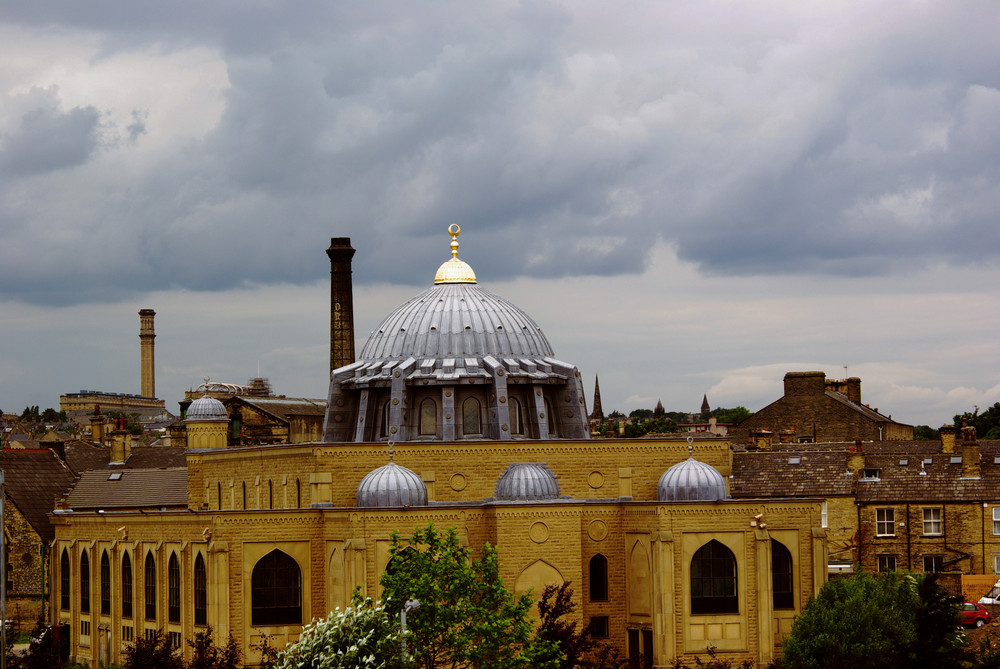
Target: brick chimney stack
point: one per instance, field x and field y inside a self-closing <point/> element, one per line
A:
<point x="341" y="303"/>
<point x="971" y="468"/>
<point x="948" y="438"/>
<point x="147" y="366"/>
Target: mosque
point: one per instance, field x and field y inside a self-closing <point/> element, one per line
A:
<point x="456" y="412"/>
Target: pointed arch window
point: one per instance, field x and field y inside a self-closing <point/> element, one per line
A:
<point x="149" y="581"/>
<point x="84" y="582"/>
<point x="276" y="590"/>
<point x="65" y="583"/>
<point x="713" y="580"/>
<point x="126" y="586"/>
<point x="598" y="578"/>
<point x="105" y="584"/>
<point x="472" y="423"/>
<point x="173" y="589"/>
<point x="516" y="421"/>
<point x="782" y="578"/>
<point x="200" y="591"/>
<point x="428" y="418"/>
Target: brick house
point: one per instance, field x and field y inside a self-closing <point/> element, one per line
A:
<point x="816" y="409"/>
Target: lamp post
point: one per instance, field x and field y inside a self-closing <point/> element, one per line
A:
<point x="410" y="605"/>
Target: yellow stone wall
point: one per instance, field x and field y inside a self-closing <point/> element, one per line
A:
<point x="648" y="545"/>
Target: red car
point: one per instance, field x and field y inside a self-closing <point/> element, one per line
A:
<point x="974" y="614"/>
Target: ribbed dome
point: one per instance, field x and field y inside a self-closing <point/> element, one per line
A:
<point x="691" y="481"/>
<point x="456" y="320"/>
<point x="206" y="408"/>
<point x="391" y="485"/>
<point x="527" y="481"/>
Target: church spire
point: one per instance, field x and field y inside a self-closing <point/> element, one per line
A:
<point x="598" y="413"/>
<point x="704" y="404"/>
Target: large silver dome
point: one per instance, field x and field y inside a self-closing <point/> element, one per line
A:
<point x="456" y="320"/>
<point x="389" y="486"/>
<point x="206" y="408"/>
<point x="691" y="481"/>
<point x="527" y="481"/>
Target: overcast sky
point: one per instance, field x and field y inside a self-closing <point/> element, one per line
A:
<point x="689" y="197"/>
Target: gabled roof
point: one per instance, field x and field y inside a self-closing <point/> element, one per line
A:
<point x="130" y="489"/>
<point x="865" y="411"/>
<point x="34" y="478"/>
<point x="941" y="480"/>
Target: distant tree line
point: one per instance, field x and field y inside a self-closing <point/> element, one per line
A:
<point x="50" y="415"/>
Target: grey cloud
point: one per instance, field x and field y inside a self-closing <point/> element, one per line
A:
<point x="557" y="154"/>
<point x="46" y="139"/>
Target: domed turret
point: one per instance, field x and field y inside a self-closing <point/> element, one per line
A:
<point x="691" y="481"/>
<point x="527" y="481"/>
<point x="206" y="408"/>
<point x="391" y="485"/>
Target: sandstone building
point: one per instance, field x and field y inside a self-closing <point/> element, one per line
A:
<point x="458" y="413"/>
<point x="816" y="409"/>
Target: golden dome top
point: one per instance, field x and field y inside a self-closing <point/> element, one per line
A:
<point x="454" y="270"/>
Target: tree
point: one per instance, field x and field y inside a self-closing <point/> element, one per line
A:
<point x="987" y="424"/>
<point x="892" y="620"/>
<point x="206" y="655"/>
<point x="362" y="635"/>
<point x="152" y="652"/>
<point x="573" y="648"/>
<point x="925" y="433"/>
<point x="467" y="617"/>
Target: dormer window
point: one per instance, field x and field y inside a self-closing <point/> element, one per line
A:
<point x="872" y="473"/>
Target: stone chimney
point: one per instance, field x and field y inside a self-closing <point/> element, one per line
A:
<point x="341" y="303"/>
<point x="97" y="425"/>
<point x="948" y="438"/>
<point x="761" y="439"/>
<point x="119" y="439"/>
<point x="856" y="458"/>
<point x="971" y="468"/>
<point x="805" y="383"/>
<point x="146" y="336"/>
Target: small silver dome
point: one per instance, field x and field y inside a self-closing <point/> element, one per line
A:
<point x="527" y="481"/>
<point x="206" y="408"/>
<point x="691" y="481"/>
<point x="391" y="485"/>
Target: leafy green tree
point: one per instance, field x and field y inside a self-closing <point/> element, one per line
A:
<point x="925" y="433"/>
<point x="641" y="413"/>
<point x="987" y="424"/>
<point x="572" y="648"/>
<point x="891" y="621"/>
<point x="206" y="655"/>
<point x="362" y="635"/>
<point x="467" y="618"/>
<point x="152" y="652"/>
<point x="731" y="416"/>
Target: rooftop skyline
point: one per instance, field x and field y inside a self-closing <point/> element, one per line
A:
<point x="688" y="198"/>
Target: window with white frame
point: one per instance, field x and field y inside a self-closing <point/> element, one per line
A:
<point x="996" y="520"/>
<point x="996" y="564"/>
<point x="886" y="563"/>
<point x="885" y="523"/>
<point x="933" y="522"/>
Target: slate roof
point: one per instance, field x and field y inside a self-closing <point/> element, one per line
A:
<point x="822" y="470"/>
<point x="34" y="478"/>
<point x="770" y="474"/>
<point x="82" y="456"/>
<point x="130" y="489"/>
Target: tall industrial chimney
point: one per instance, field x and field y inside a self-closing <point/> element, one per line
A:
<point x="146" y="337"/>
<point x="341" y="303"/>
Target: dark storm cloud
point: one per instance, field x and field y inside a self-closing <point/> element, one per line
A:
<point x="564" y="142"/>
<point x="46" y="139"/>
